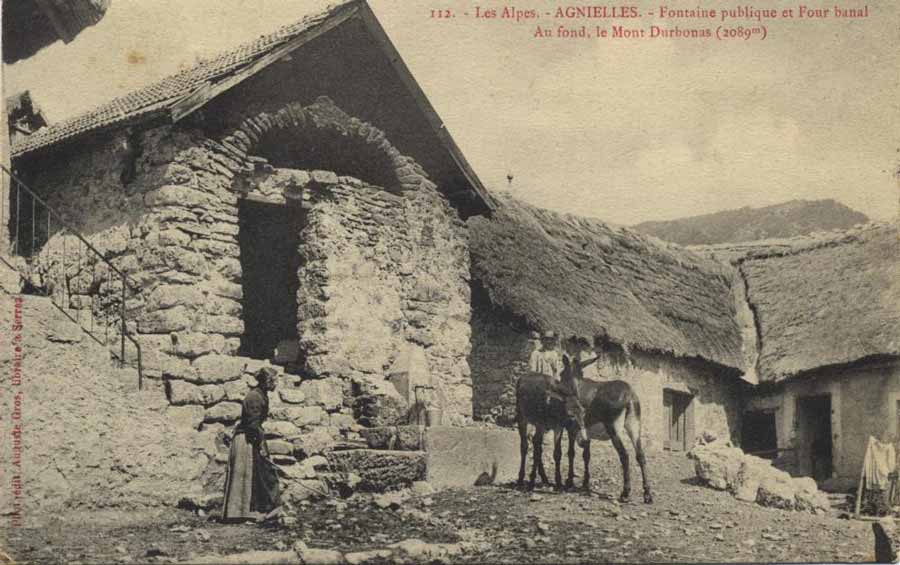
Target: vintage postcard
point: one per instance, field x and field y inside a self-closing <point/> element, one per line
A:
<point x="284" y="281"/>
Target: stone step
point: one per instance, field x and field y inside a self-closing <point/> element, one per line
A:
<point x="839" y="501"/>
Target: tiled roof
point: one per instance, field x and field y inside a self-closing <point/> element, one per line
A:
<point x="159" y="96"/>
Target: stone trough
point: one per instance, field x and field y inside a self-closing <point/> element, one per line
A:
<point x="454" y="457"/>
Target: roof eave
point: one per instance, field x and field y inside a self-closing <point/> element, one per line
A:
<point x="356" y="9"/>
<point x="176" y="110"/>
<point x="437" y="125"/>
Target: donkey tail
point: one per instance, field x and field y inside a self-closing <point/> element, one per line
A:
<point x="635" y="405"/>
<point x="633" y="417"/>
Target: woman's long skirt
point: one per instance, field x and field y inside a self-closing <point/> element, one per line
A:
<point x="252" y="484"/>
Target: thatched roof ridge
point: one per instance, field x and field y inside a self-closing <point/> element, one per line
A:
<point x="582" y="277"/>
<point x="776" y="247"/>
<point x="823" y="300"/>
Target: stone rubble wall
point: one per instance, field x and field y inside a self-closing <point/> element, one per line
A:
<point x="90" y="438"/>
<point x="500" y="355"/>
<point x="384" y="277"/>
<point x="158" y="205"/>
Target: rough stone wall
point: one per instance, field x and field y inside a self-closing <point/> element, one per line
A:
<point x="863" y="403"/>
<point x="499" y="357"/>
<point x="89" y="439"/>
<point x="386" y="273"/>
<point x="158" y="205"/>
<point x="502" y="354"/>
<point x="385" y="277"/>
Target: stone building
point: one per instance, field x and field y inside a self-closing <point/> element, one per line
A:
<point x="665" y="320"/>
<point x="295" y="202"/>
<point x="828" y="312"/>
<point x="788" y="347"/>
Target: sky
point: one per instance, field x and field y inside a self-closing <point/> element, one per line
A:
<point x="623" y="130"/>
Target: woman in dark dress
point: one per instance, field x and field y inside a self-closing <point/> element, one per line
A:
<point x="251" y="488"/>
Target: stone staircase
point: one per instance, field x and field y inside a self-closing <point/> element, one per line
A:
<point x="312" y="435"/>
<point x="10" y="281"/>
<point x="92" y="439"/>
<point x="840" y="501"/>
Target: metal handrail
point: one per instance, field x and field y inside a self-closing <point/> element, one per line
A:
<point x="127" y="286"/>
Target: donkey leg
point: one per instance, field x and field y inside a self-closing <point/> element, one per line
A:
<point x="523" y="452"/>
<point x="633" y="427"/>
<point x="557" y="458"/>
<point x="615" y="435"/>
<point x="586" y="455"/>
<point x="541" y="469"/>
<point x="537" y="444"/>
<point x="570" y="481"/>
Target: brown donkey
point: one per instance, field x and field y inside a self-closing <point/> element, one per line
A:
<point x="616" y="405"/>
<point x="532" y="409"/>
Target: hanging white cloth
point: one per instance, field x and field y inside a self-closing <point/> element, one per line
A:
<point x="881" y="461"/>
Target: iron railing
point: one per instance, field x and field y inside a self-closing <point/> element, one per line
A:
<point x="55" y="260"/>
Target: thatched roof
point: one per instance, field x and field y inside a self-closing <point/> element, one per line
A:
<point x="823" y="300"/>
<point x="582" y="277"/>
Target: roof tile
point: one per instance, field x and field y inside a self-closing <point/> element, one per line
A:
<point x="160" y="95"/>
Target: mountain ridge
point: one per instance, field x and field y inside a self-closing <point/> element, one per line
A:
<point x="788" y="219"/>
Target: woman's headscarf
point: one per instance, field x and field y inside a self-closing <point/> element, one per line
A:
<point x="265" y="375"/>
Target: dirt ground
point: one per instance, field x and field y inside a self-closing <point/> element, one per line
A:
<point x="687" y="523"/>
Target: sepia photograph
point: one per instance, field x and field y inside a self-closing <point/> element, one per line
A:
<point x="381" y="282"/>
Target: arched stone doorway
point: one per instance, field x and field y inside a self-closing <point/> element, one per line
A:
<point x="379" y="254"/>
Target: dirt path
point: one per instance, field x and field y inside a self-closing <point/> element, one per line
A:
<point x="687" y="523"/>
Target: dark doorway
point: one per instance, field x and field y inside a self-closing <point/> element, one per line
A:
<point x="758" y="433"/>
<point x="679" y="420"/>
<point x="269" y="239"/>
<point x="814" y="436"/>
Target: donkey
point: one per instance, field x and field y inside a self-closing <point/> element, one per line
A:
<point x="532" y="409"/>
<point x="616" y="405"/>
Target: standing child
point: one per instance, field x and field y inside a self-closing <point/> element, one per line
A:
<point x="547" y="362"/>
